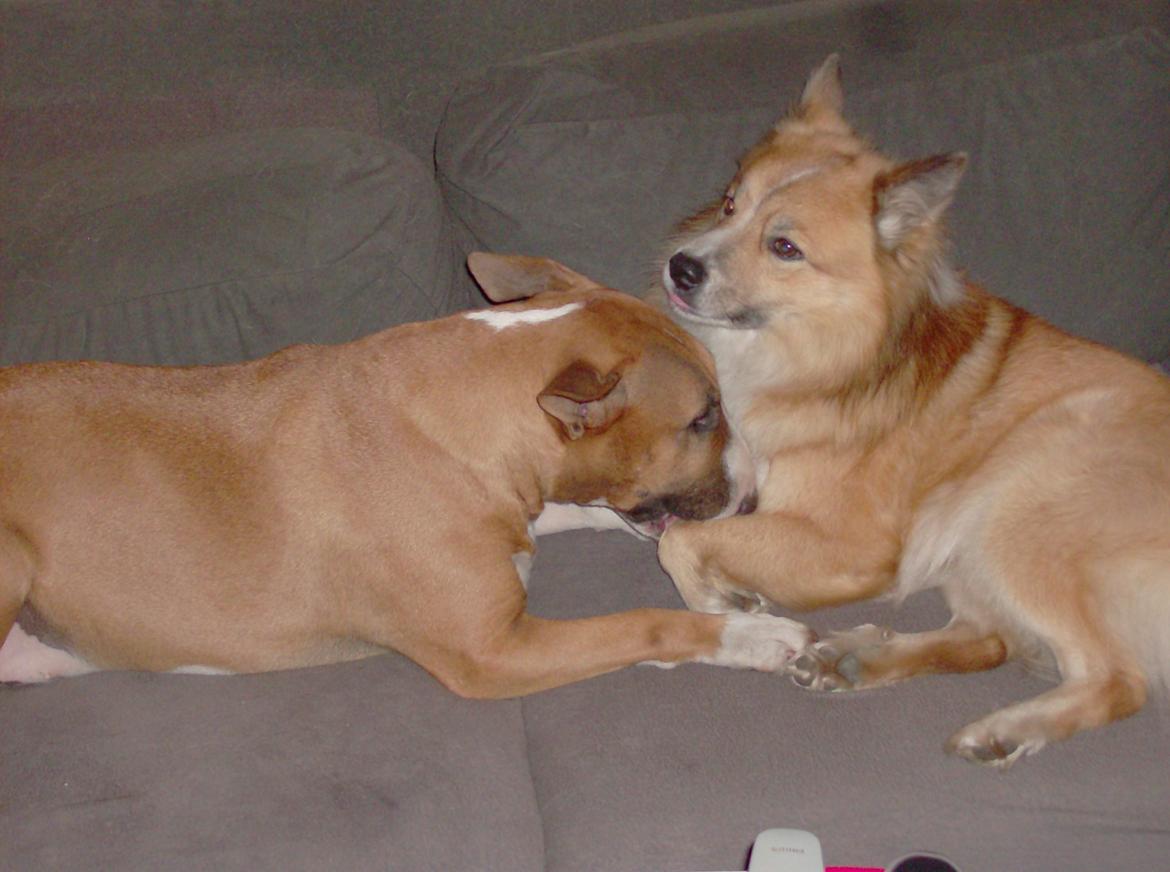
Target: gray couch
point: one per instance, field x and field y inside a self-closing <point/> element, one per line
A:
<point x="213" y="222"/>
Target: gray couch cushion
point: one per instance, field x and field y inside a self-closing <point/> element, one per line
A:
<point x="591" y="155"/>
<point x="368" y="765"/>
<point x="677" y="770"/>
<point x="222" y="249"/>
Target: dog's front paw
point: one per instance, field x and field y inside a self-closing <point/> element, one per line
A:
<point x="987" y="743"/>
<point x="764" y="642"/>
<point x="838" y="662"/>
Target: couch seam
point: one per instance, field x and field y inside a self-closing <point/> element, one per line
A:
<point x="532" y="782"/>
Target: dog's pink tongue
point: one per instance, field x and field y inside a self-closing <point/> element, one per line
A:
<point x="663" y="523"/>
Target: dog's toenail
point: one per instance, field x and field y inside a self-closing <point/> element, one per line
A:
<point x="802" y="679"/>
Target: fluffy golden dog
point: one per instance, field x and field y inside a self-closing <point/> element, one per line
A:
<point x="911" y="431"/>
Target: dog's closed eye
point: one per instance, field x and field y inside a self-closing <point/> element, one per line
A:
<point x="708" y="421"/>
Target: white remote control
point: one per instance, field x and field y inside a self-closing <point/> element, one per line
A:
<point x="782" y="850"/>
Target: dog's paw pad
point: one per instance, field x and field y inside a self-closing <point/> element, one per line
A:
<point x="988" y="748"/>
<point x="816" y="669"/>
<point x="836" y="663"/>
<point x="849" y="668"/>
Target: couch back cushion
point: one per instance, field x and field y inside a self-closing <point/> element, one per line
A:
<point x="592" y="155"/>
<point x="222" y="249"/>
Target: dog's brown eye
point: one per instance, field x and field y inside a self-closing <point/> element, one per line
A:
<point x="786" y="250"/>
<point x="728" y="205"/>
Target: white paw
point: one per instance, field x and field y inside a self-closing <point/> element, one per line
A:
<point x="763" y="642"/>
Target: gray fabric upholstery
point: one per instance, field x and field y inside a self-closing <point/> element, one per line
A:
<point x="648" y="769"/>
<point x="373" y="765"/>
<point x="229" y="247"/>
<point x="222" y="249"/>
<point x="368" y="765"/>
<point x="592" y="155"/>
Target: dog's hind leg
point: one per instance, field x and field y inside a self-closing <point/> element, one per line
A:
<point x="1100" y="683"/>
<point x="1091" y="699"/>
<point x="15" y="582"/>
<point x="16" y="574"/>
<point x="24" y="658"/>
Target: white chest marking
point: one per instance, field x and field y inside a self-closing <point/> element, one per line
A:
<point x="500" y="320"/>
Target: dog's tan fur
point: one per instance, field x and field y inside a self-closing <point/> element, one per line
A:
<point x="326" y="503"/>
<point x="913" y="431"/>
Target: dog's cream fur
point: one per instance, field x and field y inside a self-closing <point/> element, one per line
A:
<point x="326" y="503"/>
<point x="912" y="431"/>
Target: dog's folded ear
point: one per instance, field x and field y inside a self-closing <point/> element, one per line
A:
<point x="507" y="277"/>
<point x="915" y="195"/>
<point x="582" y="399"/>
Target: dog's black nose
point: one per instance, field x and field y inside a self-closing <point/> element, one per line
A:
<point x="686" y="272"/>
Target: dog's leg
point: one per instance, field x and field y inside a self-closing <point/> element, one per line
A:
<point x="869" y="656"/>
<point x="1100" y="683"/>
<point x="23" y="658"/>
<point x="1091" y="698"/>
<point x="16" y="573"/>
<point x="722" y="565"/>
<point x="535" y="654"/>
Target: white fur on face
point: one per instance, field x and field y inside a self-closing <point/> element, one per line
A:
<point x="501" y="320"/>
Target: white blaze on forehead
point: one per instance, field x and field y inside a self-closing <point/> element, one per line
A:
<point x="794" y="177"/>
<point x="789" y="180"/>
<point x="498" y="319"/>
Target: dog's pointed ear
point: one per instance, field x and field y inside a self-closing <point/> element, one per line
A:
<point x="915" y="195"/>
<point x="507" y="277"/>
<point x="823" y="100"/>
<point x="582" y="399"/>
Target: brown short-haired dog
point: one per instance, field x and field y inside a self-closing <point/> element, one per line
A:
<point x="328" y="502"/>
<point x="912" y="431"/>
